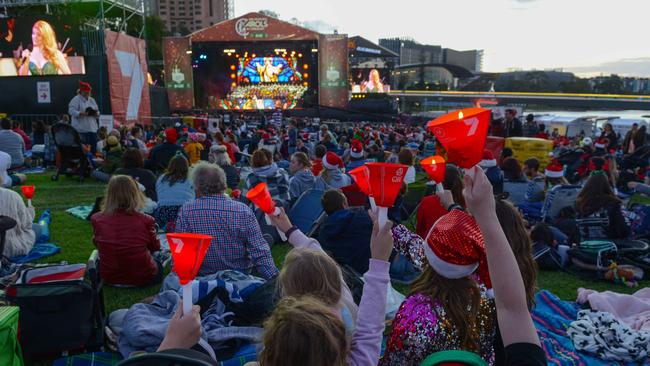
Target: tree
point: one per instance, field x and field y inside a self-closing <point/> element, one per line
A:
<point x="577" y="85"/>
<point x="155" y="31"/>
<point x="610" y="85"/>
<point x="270" y="13"/>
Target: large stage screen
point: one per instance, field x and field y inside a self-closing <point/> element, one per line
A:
<point x="40" y="45"/>
<point x="249" y="76"/>
<point x="365" y="80"/>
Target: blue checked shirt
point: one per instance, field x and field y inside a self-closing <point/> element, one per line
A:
<point x="237" y="241"/>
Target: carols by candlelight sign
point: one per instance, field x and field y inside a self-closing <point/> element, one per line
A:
<point x="255" y="26"/>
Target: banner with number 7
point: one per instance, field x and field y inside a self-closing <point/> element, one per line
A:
<point x="463" y="134"/>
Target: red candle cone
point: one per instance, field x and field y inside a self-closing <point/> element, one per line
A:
<point x="385" y="182"/>
<point x="463" y="135"/>
<point x="261" y="197"/>
<point x="435" y="168"/>
<point x="188" y="251"/>
<point x="28" y="191"/>
<point x="360" y="176"/>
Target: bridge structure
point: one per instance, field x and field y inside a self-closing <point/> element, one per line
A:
<point x="587" y="101"/>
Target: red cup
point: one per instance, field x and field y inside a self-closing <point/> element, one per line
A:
<point x="385" y="182"/>
<point x="360" y="176"/>
<point x="28" y="191"/>
<point x="463" y="135"/>
<point x="261" y="197"/>
<point x="435" y="168"/>
<point x="188" y="251"/>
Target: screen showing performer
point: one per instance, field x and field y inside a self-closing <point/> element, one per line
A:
<point x="38" y="47"/>
<point x="257" y="70"/>
<point x="370" y="81"/>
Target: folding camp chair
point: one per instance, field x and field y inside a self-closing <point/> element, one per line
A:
<point x="307" y="213"/>
<point x="410" y="203"/>
<point x="176" y="357"/>
<point x="516" y="191"/>
<point x="558" y="198"/>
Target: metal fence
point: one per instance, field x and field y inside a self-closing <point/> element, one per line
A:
<point x="28" y="120"/>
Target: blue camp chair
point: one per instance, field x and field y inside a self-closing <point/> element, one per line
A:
<point x="307" y="213"/>
<point x="516" y="191"/>
<point x="558" y="198"/>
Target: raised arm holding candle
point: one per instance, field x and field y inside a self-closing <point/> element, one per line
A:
<point x="261" y="197"/>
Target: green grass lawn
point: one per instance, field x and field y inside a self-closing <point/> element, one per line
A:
<point x="74" y="236"/>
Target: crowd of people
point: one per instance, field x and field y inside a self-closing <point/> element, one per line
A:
<point x="471" y="258"/>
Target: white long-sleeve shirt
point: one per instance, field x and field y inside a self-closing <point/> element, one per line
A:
<point x="20" y="239"/>
<point x="84" y="124"/>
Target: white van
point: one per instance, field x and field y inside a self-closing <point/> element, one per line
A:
<point x="622" y="126"/>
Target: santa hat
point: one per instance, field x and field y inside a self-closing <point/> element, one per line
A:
<point x="332" y="161"/>
<point x="356" y="151"/>
<point x="266" y="136"/>
<point x="171" y="135"/>
<point x="554" y="169"/>
<point x="488" y="160"/>
<point x="84" y="86"/>
<point x="600" y="143"/>
<point x="455" y="247"/>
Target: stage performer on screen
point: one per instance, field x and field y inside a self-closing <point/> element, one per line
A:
<point x="45" y="57"/>
<point x="374" y="84"/>
<point x="85" y="115"/>
<point x="268" y="72"/>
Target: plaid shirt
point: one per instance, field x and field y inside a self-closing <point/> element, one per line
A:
<point x="237" y="241"/>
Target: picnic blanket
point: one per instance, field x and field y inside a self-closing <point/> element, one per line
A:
<point x="552" y="318"/>
<point x="90" y="359"/>
<point x="40" y="250"/>
<point x="35" y="170"/>
<point x="81" y="212"/>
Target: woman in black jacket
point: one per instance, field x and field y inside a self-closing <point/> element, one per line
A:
<point x="599" y="211"/>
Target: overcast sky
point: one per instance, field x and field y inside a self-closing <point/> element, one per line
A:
<point x="585" y="36"/>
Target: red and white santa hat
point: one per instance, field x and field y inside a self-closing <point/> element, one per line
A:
<point x="356" y="151"/>
<point x="601" y="143"/>
<point x="455" y="247"/>
<point x="488" y="160"/>
<point x="554" y="169"/>
<point x="332" y="161"/>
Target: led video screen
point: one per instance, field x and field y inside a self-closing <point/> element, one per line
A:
<point x="249" y="77"/>
<point x="40" y="46"/>
<point x="370" y="80"/>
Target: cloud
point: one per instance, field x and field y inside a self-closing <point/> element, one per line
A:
<point x="633" y="67"/>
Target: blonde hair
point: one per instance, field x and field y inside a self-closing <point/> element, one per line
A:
<point x="122" y="193"/>
<point x="48" y="42"/>
<point x="311" y="272"/>
<point x="304" y="331"/>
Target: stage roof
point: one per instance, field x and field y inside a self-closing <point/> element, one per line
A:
<point x="365" y="48"/>
<point x="254" y="27"/>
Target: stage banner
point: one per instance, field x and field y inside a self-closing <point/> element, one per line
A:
<point x="333" y="70"/>
<point x="178" y="72"/>
<point x="127" y="77"/>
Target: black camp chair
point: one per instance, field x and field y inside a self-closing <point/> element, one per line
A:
<point x="6" y="224"/>
<point x="68" y="144"/>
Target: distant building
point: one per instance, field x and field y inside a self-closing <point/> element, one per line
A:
<point x="471" y="60"/>
<point x="185" y="16"/>
<point x="411" y="52"/>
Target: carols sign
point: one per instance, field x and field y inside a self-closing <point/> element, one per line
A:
<point x="245" y="26"/>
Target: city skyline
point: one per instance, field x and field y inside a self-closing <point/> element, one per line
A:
<point x="588" y="38"/>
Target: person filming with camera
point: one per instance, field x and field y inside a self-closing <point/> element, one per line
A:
<point x="85" y="115"/>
